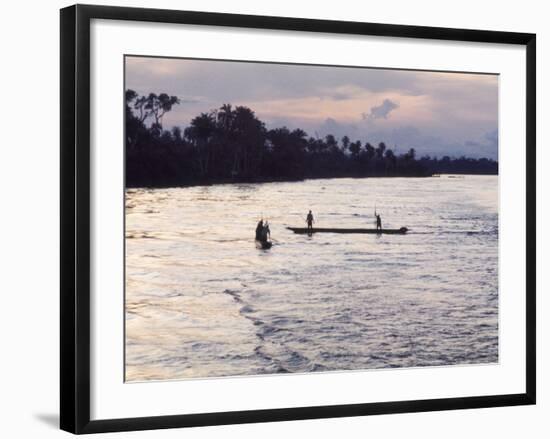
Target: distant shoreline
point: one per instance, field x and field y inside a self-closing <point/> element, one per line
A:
<point x="231" y="145"/>
<point x="212" y="182"/>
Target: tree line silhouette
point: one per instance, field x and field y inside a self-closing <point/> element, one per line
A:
<point x="230" y="144"/>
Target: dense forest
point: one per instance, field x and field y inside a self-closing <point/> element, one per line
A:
<point x="231" y="144"/>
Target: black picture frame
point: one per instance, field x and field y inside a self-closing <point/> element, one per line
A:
<point x="75" y="217"/>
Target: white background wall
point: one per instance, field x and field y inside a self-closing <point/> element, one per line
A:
<point x="29" y="248"/>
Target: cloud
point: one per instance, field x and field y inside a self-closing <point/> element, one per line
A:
<point x="492" y="138"/>
<point x="337" y="129"/>
<point x="230" y="80"/>
<point x="441" y="113"/>
<point x="340" y="96"/>
<point x="487" y="146"/>
<point x="189" y="101"/>
<point x="381" y="111"/>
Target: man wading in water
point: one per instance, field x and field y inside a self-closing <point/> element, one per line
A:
<point x="310" y="221"/>
<point x="266" y="233"/>
<point x="259" y="230"/>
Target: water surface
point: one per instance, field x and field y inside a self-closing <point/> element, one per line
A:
<point x="203" y="301"/>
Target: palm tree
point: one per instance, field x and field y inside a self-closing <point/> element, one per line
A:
<point x="249" y="134"/>
<point x="345" y="143"/>
<point x="225" y="117"/>
<point x="380" y="150"/>
<point x="390" y="160"/>
<point x="355" y="148"/>
<point x="370" y="151"/>
<point x="199" y="133"/>
<point x="331" y="142"/>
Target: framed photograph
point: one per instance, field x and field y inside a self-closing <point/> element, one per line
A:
<point x="268" y="218"/>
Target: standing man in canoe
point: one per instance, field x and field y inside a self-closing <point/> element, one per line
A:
<point x="310" y="221"/>
<point x="378" y="219"/>
<point x="378" y="222"/>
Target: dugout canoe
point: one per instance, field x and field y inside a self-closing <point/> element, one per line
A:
<point x="304" y="230"/>
<point x="263" y="244"/>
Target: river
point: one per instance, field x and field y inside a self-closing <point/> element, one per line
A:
<point x="203" y="301"/>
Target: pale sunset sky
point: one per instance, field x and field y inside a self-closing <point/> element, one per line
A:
<point x="436" y="113"/>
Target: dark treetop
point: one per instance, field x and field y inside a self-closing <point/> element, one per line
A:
<point x="231" y="144"/>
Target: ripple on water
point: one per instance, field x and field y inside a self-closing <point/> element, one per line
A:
<point x="202" y="301"/>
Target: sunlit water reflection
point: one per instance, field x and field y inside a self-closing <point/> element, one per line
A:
<point x="203" y="301"/>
